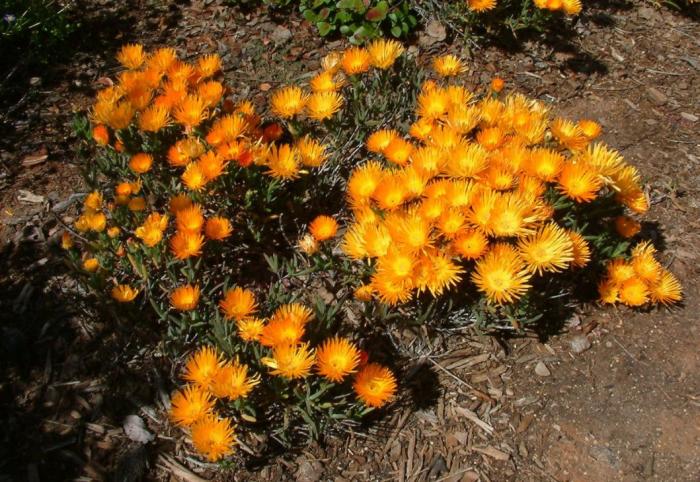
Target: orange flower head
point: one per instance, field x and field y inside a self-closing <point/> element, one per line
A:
<point x="91" y="265"/>
<point x="375" y="385"/>
<point x="288" y="102"/>
<point x="184" y="150"/>
<point x="501" y="275"/>
<point x="667" y="290"/>
<point x="66" y="240"/>
<point x="481" y="5"/>
<point x="100" y="134"/>
<point x="355" y="60"/>
<point x="131" y="56"/>
<point x="290" y="361"/>
<point x="154" y="119"/>
<point x="208" y="65"/>
<point x="141" y="163"/>
<point x="579" y="182"/>
<point x="322" y="105"/>
<point x="186" y="244"/>
<point x="189" y="405"/>
<point x="201" y="367"/>
<point x="124" y="293"/>
<point x="380" y="140"/>
<point x="190" y="219"/>
<point x="470" y="244"/>
<point x="323" y="228"/>
<point x="569" y="134"/>
<point x="162" y="59"/>
<point x="549" y="249"/>
<point x="232" y="381"/>
<point x="448" y="66"/>
<point x="194" y="177"/>
<point x="311" y="152"/>
<point x="326" y="82"/>
<point x="590" y="129"/>
<point x="213" y="437"/>
<point x="582" y="250"/>
<point x="497" y="84"/>
<point x="238" y="304"/>
<point x="185" y="298"/>
<point x="191" y="111"/>
<point x="336" y="358"/>
<point x="283" y="162"/>
<point x="218" y="228"/>
<point x="212" y="165"/>
<point x="363" y="293"/>
<point x="250" y="328"/>
<point x="383" y="53"/>
<point x="179" y="202"/>
<point x="634" y="292"/>
<point x="398" y="151"/>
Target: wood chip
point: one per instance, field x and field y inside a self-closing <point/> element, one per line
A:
<point x="492" y="452"/>
<point x="36" y="158"/>
<point x="465" y="412"/>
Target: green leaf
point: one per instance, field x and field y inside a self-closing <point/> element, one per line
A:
<point x="378" y="13"/>
<point x="396" y="31"/>
<point x="324" y="28"/>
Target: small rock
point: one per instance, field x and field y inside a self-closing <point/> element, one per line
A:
<point x="656" y="96"/>
<point x="35" y="81"/>
<point x="309" y="470"/>
<point x="542" y="370"/>
<point x="434" y="32"/>
<point x="689" y="117"/>
<point x="135" y="429"/>
<point x="280" y="35"/>
<point x="579" y="344"/>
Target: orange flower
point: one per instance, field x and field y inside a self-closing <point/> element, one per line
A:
<point x="355" y="61"/>
<point x="627" y="227"/>
<point x="201" y="367"/>
<point x="190" y="405"/>
<point x="375" y="385"/>
<point x="323" y="228"/>
<point x="213" y="437"/>
<point x="497" y="84"/>
<point x="124" y="293"/>
<point x="238" y="304"/>
<point x="141" y="163"/>
<point x="191" y="111"/>
<point x="131" y="56"/>
<point x="185" y="298"/>
<point x="218" y="228"/>
<point x="336" y="358"/>
<point x="101" y="135"/>
<point x="186" y="244"/>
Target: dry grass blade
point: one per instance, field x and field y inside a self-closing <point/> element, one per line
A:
<point x="178" y="471"/>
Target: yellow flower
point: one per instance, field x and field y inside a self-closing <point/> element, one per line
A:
<point x="194" y="177"/>
<point x="91" y="265"/>
<point x="201" y="367"/>
<point x="448" y="65"/>
<point x="569" y="134"/>
<point x="322" y="105"/>
<point x="590" y="129"/>
<point x="232" y="381"/>
<point x="213" y="437"/>
<point x="189" y="405"/>
<point x="383" y="53"/>
<point x="571" y="7"/>
<point x="154" y="119"/>
<point x="101" y="135"/>
<point x="208" y="65"/>
<point x="481" y="5"/>
<point x="66" y="240"/>
<point x="120" y="115"/>
<point x="379" y="140"/>
<point x="363" y="293"/>
<point x="185" y="298"/>
<point x="218" y="228"/>
<point x="124" y="293"/>
<point x="113" y="232"/>
<point x="185" y="244"/>
<point x="549" y="249"/>
<point x="282" y="162"/>
<point x="375" y="385"/>
<point x="579" y="182"/>
<point x="355" y="60"/>
<point x="131" y="56"/>
<point x="311" y="152"/>
<point x="323" y="228"/>
<point x="581" y="249"/>
<point x="141" y="163"/>
<point x="326" y="82"/>
<point x="290" y="361"/>
<point x="634" y="292"/>
<point x="162" y="59"/>
<point x="470" y="244"/>
<point x="398" y="151"/>
<point x="288" y="102"/>
<point x="433" y="103"/>
<point x="667" y="290"/>
<point x="250" y="329"/>
<point x="190" y="219"/>
<point x="391" y="290"/>
<point x="191" y="111"/>
<point x="336" y="358"/>
<point x="501" y="275"/>
<point x="238" y="303"/>
<point x="212" y="165"/>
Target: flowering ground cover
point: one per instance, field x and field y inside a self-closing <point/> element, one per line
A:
<point x="463" y="395"/>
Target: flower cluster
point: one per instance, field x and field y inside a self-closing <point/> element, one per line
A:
<point x="639" y="280"/>
<point x="486" y="188"/>
<point x="568" y="7"/>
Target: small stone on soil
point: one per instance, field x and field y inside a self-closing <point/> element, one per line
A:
<point x="542" y="370"/>
<point x="579" y="344"/>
